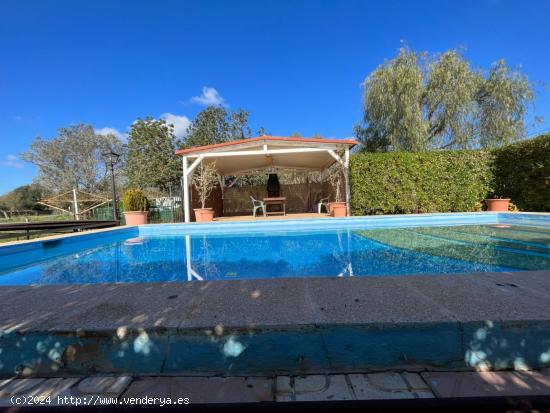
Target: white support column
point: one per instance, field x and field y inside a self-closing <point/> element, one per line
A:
<point x="186" y="190"/>
<point x="346" y="179"/>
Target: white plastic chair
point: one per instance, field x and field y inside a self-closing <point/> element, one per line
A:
<point x="322" y="203"/>
<point x="257" y="205"/>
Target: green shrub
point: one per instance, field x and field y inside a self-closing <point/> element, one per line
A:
<point x="406" y="182"/>
<point x="135" y="200"/>
<point x="522" y="173"/>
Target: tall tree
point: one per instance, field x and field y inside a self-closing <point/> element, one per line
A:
<point x="150" y="158"/>
<point x="502" y="100"/>
<point x="72" y="159"/>
<point x="23" y="198"/>
<point x="419" y="102"/>
<point x="216" y="125"/>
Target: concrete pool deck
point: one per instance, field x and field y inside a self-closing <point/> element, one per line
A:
<point x="278" y="326"/>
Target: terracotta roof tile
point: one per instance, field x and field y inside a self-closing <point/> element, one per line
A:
<point x="349" y="142"/>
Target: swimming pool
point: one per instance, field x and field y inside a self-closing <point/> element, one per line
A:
<point x="365" y="246"/>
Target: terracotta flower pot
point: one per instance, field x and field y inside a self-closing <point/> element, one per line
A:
<point x="331" y="206"/>
<point x="135" y="217"/>
<point x="339" y="211"/>
<point x="204" y="214"/>
<point x="499" y="205"/>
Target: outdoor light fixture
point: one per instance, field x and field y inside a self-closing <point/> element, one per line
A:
<point x="111" y="158"/>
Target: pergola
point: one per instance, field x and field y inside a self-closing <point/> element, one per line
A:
<point x="244" y="156"/>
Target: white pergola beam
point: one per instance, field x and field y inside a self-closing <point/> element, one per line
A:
<point x="335" y="156"/>
<point x="259" y="152"/>
<point x="271" y="144"/>
<point x="274" y="167"/>
<point x="234" y="181"/>
<point x="193" y="166"/>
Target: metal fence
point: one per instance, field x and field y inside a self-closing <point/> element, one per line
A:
<point x="163" y="210"/>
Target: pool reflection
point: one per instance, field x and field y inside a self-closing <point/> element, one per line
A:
<point x="332" y="253"/>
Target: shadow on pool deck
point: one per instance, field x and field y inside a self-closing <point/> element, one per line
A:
<point x="278" y="326"/>
<point x="243" y="218"/>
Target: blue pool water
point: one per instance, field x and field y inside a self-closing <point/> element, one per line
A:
<point x="132" y="256"/>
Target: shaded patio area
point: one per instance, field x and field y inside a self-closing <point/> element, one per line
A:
<point x="240" y="218"/>
<point x="268" y="155"/>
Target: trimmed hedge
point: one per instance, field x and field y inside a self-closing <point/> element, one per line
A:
<point x="451" y="181"/>
<point x="522" y="172"/>
<point x="406" y="182"/>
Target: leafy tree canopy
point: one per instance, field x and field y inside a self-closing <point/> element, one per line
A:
<point x="150" y="158"/>
<point x="216" y="125"/>
<point x="418" y="102"/>
<point x="23" y="198"/>
<point x="72" y="159"/>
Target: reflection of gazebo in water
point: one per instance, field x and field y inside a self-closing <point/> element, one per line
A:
<point x="340" y="251"/>
<point x="266" y="153"/>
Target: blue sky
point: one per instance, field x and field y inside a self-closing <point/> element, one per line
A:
<point x="295" y="65"/>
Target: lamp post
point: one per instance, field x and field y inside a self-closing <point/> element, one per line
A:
<point x="111" y="158"/>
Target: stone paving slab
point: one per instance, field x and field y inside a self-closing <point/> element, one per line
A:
<point x="204" y="390"/>
<point x="535" y="282"/>
<point x="389" y="386"/>
<point x="35" y="388"/>
<point x="322" y="387"/>
<point x="15" y="387"/>
<point x="104" y="386"/>
<point x="371" y="386"/>
<point x="375" y="386"/>
<point x="488" y="384"/>
<point x="246" y="303"/>
<point x="284" y="389"/>
<point x="480" y="297"/>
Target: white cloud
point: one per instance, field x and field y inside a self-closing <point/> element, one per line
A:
<point x="12" y="161"/>
<point x="111" y="131"/>
<point x="181" y="123"/>
<point x="209" y="96"/>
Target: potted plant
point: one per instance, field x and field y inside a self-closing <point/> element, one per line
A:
<point x="338" y="208"/>
<point x="204" y="182"/>
<point x="497" y="203"/>
<point x="136" y="207"/>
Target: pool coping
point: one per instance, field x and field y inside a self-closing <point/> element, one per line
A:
<point x="64" y="236"/>
<point x="194" y="322"/>
<point x="194" y="227"/>
<point x="307" y="301"/>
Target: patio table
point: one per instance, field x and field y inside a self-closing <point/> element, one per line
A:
<point x="279" y="200"/>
